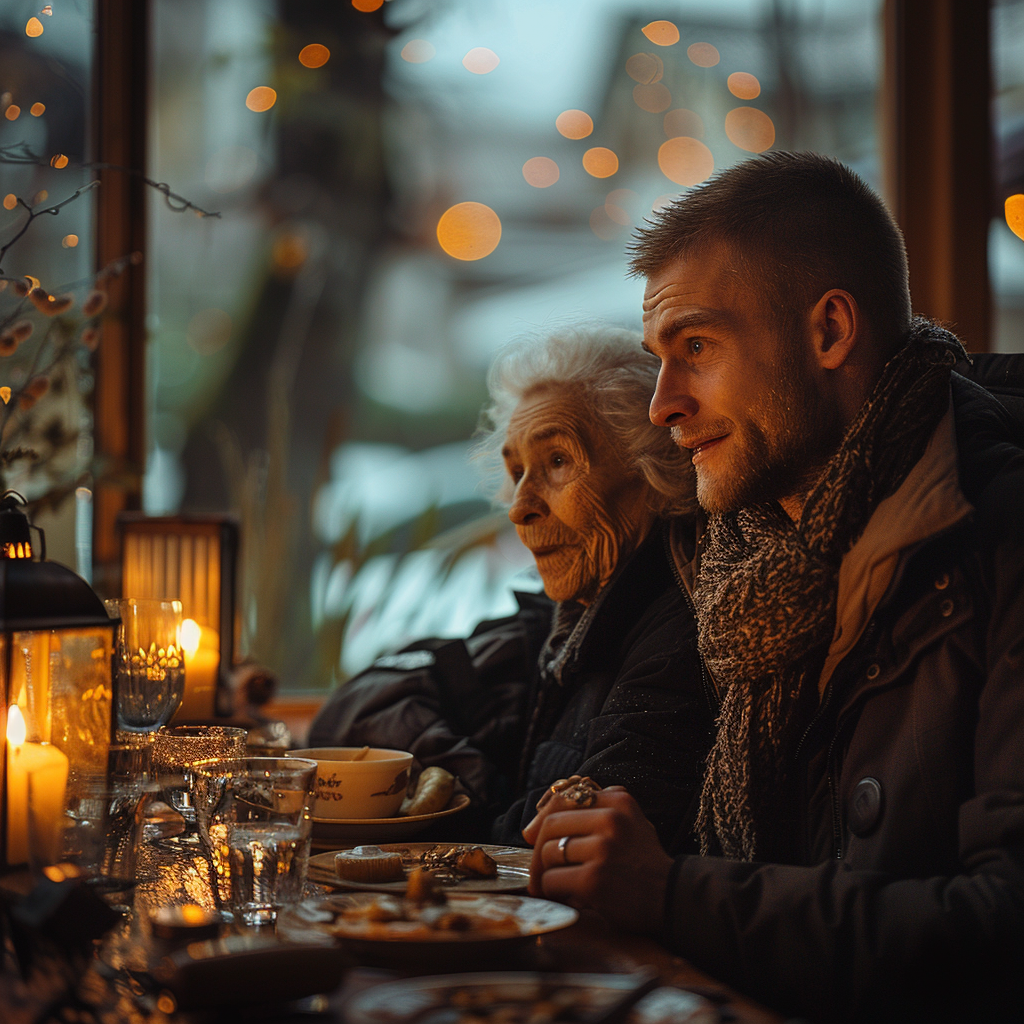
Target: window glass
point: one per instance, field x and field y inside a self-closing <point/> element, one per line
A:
<point x="45" y="126"/>
<point x="1006" y="248"/>
<point x="403" y="187"/>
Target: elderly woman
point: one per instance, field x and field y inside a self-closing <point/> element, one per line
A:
<point x="605" y="681"/>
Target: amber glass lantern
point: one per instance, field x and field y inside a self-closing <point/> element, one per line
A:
<point x="191" y="559"/>
<point x="56" y="644"/>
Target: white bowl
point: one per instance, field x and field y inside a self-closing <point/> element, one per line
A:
<point x="372" y="787"/>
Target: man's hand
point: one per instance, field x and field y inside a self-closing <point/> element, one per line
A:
<point x="605" y="858"/>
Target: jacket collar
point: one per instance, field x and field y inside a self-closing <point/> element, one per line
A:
<point x="577" y="633"/>
<point x="927" y="503"/>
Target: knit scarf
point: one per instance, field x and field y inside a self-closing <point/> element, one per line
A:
<point x="765" y="596"/>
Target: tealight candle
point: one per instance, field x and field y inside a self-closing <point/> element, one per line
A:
<point x="187" y="923"/>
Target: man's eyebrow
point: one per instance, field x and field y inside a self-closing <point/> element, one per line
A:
<point x="694" y="320"/>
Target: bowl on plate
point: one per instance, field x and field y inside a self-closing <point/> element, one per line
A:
<point x="358" y="782"/>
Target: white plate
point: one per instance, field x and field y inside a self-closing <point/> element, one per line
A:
<point x="402" y="1002"/>
<point x="513" y="869"/>
<point x="334" y="833"/>
<point x="404" y="942"/>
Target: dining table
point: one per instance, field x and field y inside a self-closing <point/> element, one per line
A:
<point x="136" y="973"/>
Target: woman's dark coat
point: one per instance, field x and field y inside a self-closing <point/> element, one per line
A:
<point x="624" y="703"/>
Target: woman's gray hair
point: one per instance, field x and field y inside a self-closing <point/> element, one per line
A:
<point x="608" y="371"/>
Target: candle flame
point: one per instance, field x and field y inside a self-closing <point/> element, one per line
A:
<point x="190" y="635"/>
<point x="16" y="731"/>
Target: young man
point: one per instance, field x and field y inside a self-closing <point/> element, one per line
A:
<point x="859" y="587"/>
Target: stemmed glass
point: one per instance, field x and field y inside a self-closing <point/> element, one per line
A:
<point x="149" y="681"/>
<point x="149" y="663"/>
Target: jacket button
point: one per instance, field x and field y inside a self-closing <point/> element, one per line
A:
<point x="865" y="806"/>
<point x="946" y="608"/>
<point x="872" y="672"/>
<point x="942" y="582"/>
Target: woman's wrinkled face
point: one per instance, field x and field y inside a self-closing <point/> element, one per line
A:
<point x="576" y="506"/>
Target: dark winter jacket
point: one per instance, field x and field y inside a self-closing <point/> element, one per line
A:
<point x="907" y="901"/>
<point x="623" y="702"/>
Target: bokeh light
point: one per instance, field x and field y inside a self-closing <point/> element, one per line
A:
<point x="704" y="55"/>
<point x="10" y="201"/>
<point x="469" y="231"/>
<point x="69" y="241"/>
<point x="662" y="201"/>
<point x="652" y="98"/>
<point x="12" y="112"/>
<point x="574" y="124"/>
<point x="683" y="122"/>
<point x="1014" y="208"/>
<point x="603" y="226"/>
<point x="685" y="161"/>
<point x="58" y="160"/>
<point x="289" y="252"/>
<point x="661" y="33"/>
<point x="480" y="60"/>
<point x="208" y="331"/>
<point x="645" y="68"/>
<point x="40" y="197"/>
<point x="230" y="168"/>
<point x="750" y="129"/>
<point x="33" y="28"/>
<point x="418" y="51"/>
<point x="314" y="55"/>
<point x="619" y="203"/>
<point x="600" y="162"/>
<point x="744" y="86"/>
<point x="261" y="98"/>
<point x="366" y="6"/>
<point x="540" y="171"/>
<point x="37" y="109"/>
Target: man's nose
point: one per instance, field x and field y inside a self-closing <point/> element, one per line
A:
<point x="672" y="403"/>
<point x="527" y="505"/>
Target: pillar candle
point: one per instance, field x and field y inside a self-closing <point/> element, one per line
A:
<point x="202" y="662"/>
<point x="48" y="800"/>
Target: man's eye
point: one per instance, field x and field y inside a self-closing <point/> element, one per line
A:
<point x="696" y="346"/>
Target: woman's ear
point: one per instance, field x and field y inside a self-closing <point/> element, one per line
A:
<point x="836" y="326"/>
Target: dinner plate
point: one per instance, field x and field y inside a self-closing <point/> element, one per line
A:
<point x="513" y="869"/>
<point x="403" y="942"/>
<point x="334" y="833"/>
<point x="412" y="999"/>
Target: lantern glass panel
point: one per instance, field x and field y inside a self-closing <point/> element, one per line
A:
<point x="61" y="682"/>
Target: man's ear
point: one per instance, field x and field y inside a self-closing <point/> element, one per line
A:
<point x="836" y="327"/>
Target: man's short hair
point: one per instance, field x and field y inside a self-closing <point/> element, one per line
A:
<point x="800" y="224"/>
<point x="614" y="379"/>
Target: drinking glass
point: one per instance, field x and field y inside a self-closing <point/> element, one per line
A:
<point x="176" y="748"/>
<point x="255" y="819"/>
<point x="149" y="662"/>
<point x="91" y="828"/>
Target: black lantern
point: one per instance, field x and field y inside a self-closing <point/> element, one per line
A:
<point x="56" y="689"/>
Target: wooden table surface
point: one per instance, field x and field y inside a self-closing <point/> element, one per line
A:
<point x="114" y="986"/>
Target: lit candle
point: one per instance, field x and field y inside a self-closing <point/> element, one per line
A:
<point x="202" y="661"/>
<point x="47" y="800"/>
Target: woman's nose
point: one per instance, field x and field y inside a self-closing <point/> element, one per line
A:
<point x="527" y="505"/>
<point x="672" y="401"/>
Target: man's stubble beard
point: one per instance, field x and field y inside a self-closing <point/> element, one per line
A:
<point x="780" y="450"/>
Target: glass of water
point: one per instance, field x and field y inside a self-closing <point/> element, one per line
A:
<point x="149" y="664"/>
<point x="255" y="819"/>
<point x="177" y="748"/>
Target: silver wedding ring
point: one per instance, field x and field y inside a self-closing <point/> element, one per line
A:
<point x="563" y="846"/>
